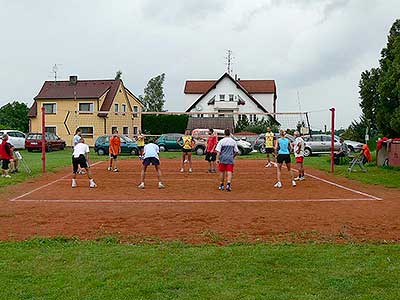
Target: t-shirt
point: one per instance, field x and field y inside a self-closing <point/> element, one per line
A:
<point x="283" y="146"/>
<point x="115" y="144"/>
<point x="151" y="150"/>
<point x="227" y="148"/>
<point x="80" y="149"/>
<point x="211" y="143"/>
<point x="269" y="140"/>
<point x="5" y="150"/>
<point x="299" y="145"/>
<point x="140" y="140"/>
<point x="187" y="142"/>
<point x="344" y="148"/>
<point x="76" y="139"/>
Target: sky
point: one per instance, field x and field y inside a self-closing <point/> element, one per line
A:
<point x="315" y="50"/>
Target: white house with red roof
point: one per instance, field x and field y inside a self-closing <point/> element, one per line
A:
<point x="227" y="95"/>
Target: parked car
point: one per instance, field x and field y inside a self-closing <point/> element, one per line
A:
<point x="201" y="136"/>
<point x="259" y="144"/>
<point x="168" y="142"/>
<point x="16" y="138"/>
<point x="127" y="145"/>
<point x="319" y="144"/>
<point x="33" y="141"/>
<point x="354" y="146"/>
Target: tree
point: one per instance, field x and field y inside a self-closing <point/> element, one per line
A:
<point x="14" y="115"/>
<point x="118" y="75"/>
<point x="369" y="97"/>
<point x="242" y="123"/>
<point x="153" y="98"/>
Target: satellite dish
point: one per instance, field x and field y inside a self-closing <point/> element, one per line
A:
<point x="199" y="107"/>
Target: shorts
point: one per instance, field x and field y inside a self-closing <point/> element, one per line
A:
<point x="299" y="159"/>
<point x="187" y="150"/>
<point x="78" y="161"/>
<point x="225" y="167"/>
<point x="283" y="158"/>
<point x="211" y="156"/>
<point x="141" y="148"/>
<point x="269" y="150"/>
<point x="114" y="156"/>
<point x="151" y="160"/>
<point x="4" y="164"/>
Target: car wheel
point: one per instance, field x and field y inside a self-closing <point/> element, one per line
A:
<point x="262" y="150"/>
<point x="240" y="151"/>
<point x="135" y="151"/>
<point x="307" y="152"/>
<point x="101" y="151"/>
<point x="49" y="148"/>
<point x="351" y="149"/>
<point x="199" y="151"/>
<point x="163" y="148"/>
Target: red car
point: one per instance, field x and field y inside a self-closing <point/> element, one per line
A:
<point x="33" y="141"/>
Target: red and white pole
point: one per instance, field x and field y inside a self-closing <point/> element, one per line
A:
<point x="43" y="140"/>
<point x="333" y="140"/>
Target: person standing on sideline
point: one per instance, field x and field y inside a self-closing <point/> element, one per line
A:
<point x="269" y="146"/>
<point x="283" y="147"/>
<point x="114" y="149"/>
<point x="140" y="143"/>
<point x="211" y="153"/>
<point x="80" y="158"/>
<point x="299" y="147"/>
<point x="75" y="141"/>
<point x="151" y="156"/>
<point x="187" y="144"/>
<point x="6" y="155"/>
<point x="226" y="149"/>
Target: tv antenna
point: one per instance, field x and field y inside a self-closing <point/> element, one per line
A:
<point x="55" y="71"/>
<point x="228" y="63"/>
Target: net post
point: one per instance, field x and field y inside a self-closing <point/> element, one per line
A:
<point x="332" y="139"/>
<point x="43" y="140"/>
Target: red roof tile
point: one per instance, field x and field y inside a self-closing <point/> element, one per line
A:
<point x="251" y="86"/>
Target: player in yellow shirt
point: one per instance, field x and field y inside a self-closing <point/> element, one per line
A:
<point x="187" y="143"/>
<point x="140" y="143"/>
<point x="269" y="146"/>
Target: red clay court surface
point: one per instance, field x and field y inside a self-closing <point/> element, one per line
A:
<point x="192" y="209"/>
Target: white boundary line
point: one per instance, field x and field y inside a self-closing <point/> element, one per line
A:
<point x="195" y="201"/>
<point x="46" y="185"/>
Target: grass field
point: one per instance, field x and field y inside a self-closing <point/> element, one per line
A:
<point x="65" y="269"/>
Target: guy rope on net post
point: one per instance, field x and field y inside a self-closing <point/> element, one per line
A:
<point x="43" y="140"/>
<point x="333" y="140"/>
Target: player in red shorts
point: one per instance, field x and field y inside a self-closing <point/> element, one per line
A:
<point x="226" y="151"/>
<point x="299" y="155"/>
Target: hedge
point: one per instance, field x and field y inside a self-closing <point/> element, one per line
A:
<point x="159" y="124"/>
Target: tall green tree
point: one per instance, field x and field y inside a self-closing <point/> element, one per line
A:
<point x="369" y="96"/>
<point x="14" y="115"/>
<point x="153" y="98"/>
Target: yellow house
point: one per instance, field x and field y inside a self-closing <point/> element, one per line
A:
<point x="96" y="106"/>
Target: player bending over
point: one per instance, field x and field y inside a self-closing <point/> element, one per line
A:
<point x="151" y="156"/>
<point x="283" y="147"/>
<point x="114" y="149"/>
<point x="211" y="153"/>
<point x="226" y="149"/>
<point x="299" y="155"/>
<point x="187" y="144"/>
<point x="80" y="158"/>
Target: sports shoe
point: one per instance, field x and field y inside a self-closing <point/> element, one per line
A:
<point x="213" y="171"/>
<point x="302" y="178"/>
<point x="186" y="161"/>
<point x="6" y="176"/>
<point x="181" y="170"/>
<point x="268" y="165"/>
<point x="109" y="169"/>
<point x="297" y="178"/>
<point x="92" y="184"/>
<point x="221" y="187"/>
<point x="190" y="170"/>
<point x="228" y="187"/>
<point x="141" y="186"/>
<point x="293" y="183"/>
<point x="74" y="185"/>
<point x="161" y="185"/>
<point x="278" y="185"/>
<point x="116" y="170"/>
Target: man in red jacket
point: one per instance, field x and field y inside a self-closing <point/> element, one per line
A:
<point x="6" y="155"/>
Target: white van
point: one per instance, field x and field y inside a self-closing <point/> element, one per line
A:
<point x="15" y="138"/>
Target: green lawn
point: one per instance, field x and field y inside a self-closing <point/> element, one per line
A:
<point x="57" y="269"/>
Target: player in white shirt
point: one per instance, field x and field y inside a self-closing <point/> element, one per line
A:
<point x="80" y="158"/>
<point x="150" y="156"/>
<point x="299" y="147"/>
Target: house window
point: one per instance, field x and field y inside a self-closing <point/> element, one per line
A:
<point x="135" y="111"/>
<point x="87" y="131"/>
<point x="123" y="107"/>
<point x="114" y="128"/>
<point x="135" y="130"/>
<point x="254" y="118"/>
<point x="85" y="107"/>
<point x="222" y="97"/>
<point x="251" y="118"/>
<point x="51" y="129"/>
<point x="116" y="107"/>
<point x="125" y="130"/>
<point x="231" y="97"/>
<point x="50" y="108"/>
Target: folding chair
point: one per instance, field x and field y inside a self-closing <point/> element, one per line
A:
<point x="18" y="155"/>
<point x="357" y="160"/>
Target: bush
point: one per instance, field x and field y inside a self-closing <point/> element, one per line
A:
<point x="159" y="124"/>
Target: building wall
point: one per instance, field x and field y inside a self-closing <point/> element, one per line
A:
<point x="66" y="119"/>
<point x="266" y="100"/>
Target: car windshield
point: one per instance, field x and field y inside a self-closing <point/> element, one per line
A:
<point x="234" y="137"/>
<point x="34" y="136"/>
<point x="126" y="139"/>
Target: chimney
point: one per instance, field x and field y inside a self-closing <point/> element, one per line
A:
<point x="73" y="79"/>
<point x="235" y="77"/>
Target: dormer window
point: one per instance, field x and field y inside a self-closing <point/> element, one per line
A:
<point x="222" y="97"/>
<point x="231" y="97"/>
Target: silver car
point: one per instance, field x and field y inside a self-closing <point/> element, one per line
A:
<point x="319" y="144"/>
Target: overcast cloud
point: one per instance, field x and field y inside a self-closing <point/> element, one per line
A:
<point x="315" y="47"/>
